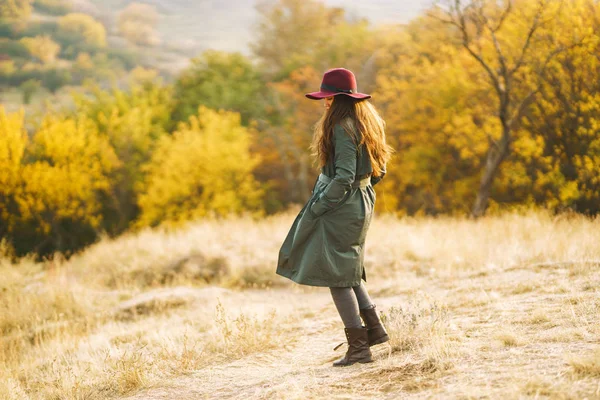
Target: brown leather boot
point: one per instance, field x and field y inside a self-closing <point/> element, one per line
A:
<point x="358" y="348"/>
<point x="377" y="333"/>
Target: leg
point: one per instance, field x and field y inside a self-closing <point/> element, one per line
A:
<point x="376" y="332"/>
<point x="347" y="306"/>
<point x="364" y="301"/>
<point x="356" y="335"/>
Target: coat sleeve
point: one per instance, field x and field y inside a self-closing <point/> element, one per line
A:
<point x="345" y="172"/>
<point x="377" y="179"/>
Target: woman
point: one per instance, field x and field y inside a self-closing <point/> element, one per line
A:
<point x="325" y="245"/>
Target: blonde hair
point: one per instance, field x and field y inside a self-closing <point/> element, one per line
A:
<point x="353" y="115"/>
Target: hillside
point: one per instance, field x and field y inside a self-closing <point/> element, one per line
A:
<point x="503" y="307"/>
<point x="184" y="30"/>
<point x="227" y="25"/>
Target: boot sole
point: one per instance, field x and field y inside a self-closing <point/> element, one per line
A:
<point x="380" y="340"/>
<point x="370" y="360"/>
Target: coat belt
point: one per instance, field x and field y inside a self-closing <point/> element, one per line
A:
<point x="362" y="183"/>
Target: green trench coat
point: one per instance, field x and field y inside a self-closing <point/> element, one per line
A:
<point x="325" y="245"/>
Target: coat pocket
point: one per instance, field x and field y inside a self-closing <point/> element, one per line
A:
<point x="321" y="206"/>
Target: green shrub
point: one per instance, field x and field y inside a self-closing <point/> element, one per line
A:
<point x="28" y="89"/>
<point x="17" y="77"/>
<point x="129" y="59"/>
<point x="42" y="48"/>
<point x="71" y="49"/>
<point x="52" y="7"/>
<point x="54" y="79"/>
<point x="14" y="49"/>
<point x="36" y="28"/>
<point x="6" y="29"/>
<point x="84" y="28"/>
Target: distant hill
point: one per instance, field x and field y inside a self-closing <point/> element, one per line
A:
<point x="197" y="25"/>
<point x="186" y="29"/>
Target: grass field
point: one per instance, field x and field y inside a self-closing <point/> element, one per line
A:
<point x="503" y="307"/>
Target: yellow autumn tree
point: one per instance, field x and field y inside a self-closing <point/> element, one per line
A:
<point x="428" y="93"/>
<point x="453" y="132"/>
<point x="204" y="168"/>
<point x="85" y="26"/>
<point x="17" y="9"/>
<point x="132" y="121"/>
<point x="137" y="23"/>
<point x="557" y="153"/>
<point x="42" y="47"/>
<point x="292" y="34"/>
<point x="60" y="203"/>
<point x="514" y="43"/>
<point x="13" y="143"/>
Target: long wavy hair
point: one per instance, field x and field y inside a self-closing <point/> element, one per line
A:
<point x="354" y="115"/>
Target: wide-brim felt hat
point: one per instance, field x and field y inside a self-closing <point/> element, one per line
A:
<point x="338" y="81"/>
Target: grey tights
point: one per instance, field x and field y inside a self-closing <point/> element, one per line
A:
<point x="348" y="301"/>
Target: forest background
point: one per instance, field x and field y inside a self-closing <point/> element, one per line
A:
<point x="106" y="128"/>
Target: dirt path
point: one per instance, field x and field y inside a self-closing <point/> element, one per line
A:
<point x="507" y="334"/>
<point x="288" y="372"/>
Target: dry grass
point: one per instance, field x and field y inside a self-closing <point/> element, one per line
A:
<point x="539" y="386"/>
<point x="447" y="245"/>
<point x="409" y="375"/>
<point x="587" y="365"/>
<point x="231" y="253"/>
<point x="539" y="317"/>
<point x="523" y="287"/>
<point x="508" y="338"/>
<point x="419" y="326"/>
<point x="61" y="340"/>
<point x="422" y="342"/>
<point x="459" y="297"/>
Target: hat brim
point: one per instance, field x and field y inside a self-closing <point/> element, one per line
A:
<point x="321" y="95"/>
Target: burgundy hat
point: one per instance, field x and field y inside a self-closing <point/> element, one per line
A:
<point x="338" y="81"/>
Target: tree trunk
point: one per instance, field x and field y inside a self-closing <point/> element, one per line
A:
<point x="288" y="173"/>
<point x="303" y="169"/>
<point x="496" y="154"/>
<point x="283" y="149"/>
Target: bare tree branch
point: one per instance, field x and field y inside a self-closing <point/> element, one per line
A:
<point x="492" y="142"/>
<point x="505" y="14"/>
<point x="533" y="28"/>
<point x="461" y="23"/>
<point x="445" y="21"/>
<point x="541" y="74"/>
<point x="474" y="25"/>
<point x="501" y="58"/>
